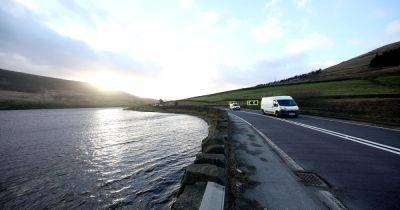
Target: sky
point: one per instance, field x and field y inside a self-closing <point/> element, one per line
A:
<point x="182" y="48"/>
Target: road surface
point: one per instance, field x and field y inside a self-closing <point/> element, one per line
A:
<point x="360" y="162"/>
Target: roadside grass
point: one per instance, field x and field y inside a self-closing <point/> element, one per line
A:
<point x="385" y="85"/>
<point x="352" y="89"/>
<point x="390" y="81"/>
<point x="376" y="110"/>
<point x="371" y="99"/>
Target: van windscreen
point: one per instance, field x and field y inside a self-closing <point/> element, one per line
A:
<point x="286" y="102"/>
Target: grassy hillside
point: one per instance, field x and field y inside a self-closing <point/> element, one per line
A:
<point x="352" y="89"/>
<point x="355" y="68"/>
<point x="21" y="91"/>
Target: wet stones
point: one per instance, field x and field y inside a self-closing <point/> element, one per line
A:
<point x="210" y="164"/>
<point x="217" y="139"/>
<point x="214" y="149"/>
<point x="189" y="198"/>
<point x="214" y="159"/>
<point x="203" y="173"/>
<point x="222" y="125"/>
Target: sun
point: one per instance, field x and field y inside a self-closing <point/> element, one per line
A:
<point x="111" y="81"/>
<point x="106" y="81"/>
<point x="167" y="87"/>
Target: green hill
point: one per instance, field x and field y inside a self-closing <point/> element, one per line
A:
<point x="353" y="89"/>
<point x="23" y="91"/>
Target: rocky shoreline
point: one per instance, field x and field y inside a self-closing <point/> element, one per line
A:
<point x="211" y="164"/>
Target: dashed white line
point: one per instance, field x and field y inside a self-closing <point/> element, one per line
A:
<point x="383" y="147"/>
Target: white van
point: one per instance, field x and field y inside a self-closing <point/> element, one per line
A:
<point x="233" y="105"/>
<point x="279" y="106"/>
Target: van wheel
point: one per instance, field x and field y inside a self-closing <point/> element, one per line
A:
<point x="277" y="114"/>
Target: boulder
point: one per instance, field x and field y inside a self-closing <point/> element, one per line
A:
<point x="191" y="197"/>
<point x="203" y="173"/>
<point x="213" y="159"/>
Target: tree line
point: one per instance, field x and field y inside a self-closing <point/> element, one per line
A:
<point x="388" y="58"/>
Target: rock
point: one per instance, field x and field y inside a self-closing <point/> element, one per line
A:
<point x="221" y="134"/>
<point x="208" y="166"/>
<point x="216" y="140"/>
<point x="213" y="159"/>
<point x="222" y="125"/>
<point x="214" y="149"/>
<point x="191" y="197"/>
<point x="223" y="119"/>
<point x="203" y="173"/>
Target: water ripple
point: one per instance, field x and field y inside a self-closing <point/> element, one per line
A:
<point x="94" y="158"/>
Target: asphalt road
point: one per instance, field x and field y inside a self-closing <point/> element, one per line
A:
<point x="360" y="162"/>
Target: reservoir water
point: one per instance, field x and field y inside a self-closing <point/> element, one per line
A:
<point x="94" y="158"/>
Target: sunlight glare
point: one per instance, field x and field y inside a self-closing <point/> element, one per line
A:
<point x="106" y="81"/>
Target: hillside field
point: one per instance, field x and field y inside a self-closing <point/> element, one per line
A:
<point x="26" y="91"/>
<point x="351" y="90"/>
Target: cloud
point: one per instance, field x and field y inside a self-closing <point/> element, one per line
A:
<point x="184" y="42"/>
<point x="78" y="10"/>
<point x="302" y="3"/>
<point x="211" y="17"/>
<point x="269" y="30"/>
<point x="24" y="36"/>
<point x="186" y="3"/>
<point x="148" y="53"/>
<point x="271" y="4"/>
<point x="28" y="4"/>
<point x="266" y="70"/>
<point x="234" y="23"/>
<point x="25" y="43"/>
<point x="312" y="41"/>
<point x="393" y="28"/>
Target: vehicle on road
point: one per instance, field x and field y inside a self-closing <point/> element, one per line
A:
<point x="234" y="105"/>
<point x="279" y="106"/>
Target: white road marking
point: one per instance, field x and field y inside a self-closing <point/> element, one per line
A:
<point x="348" y="122"/>
<point x="351" y="122"/>
<point x="384" y="147"/>
<point x="283" y="155"/>
<point x="327" y="197"/>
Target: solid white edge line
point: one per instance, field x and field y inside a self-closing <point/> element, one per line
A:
<point x="387" y="148"/>
<point x="283" y="155"/>
<point x="333" y="202"/>
<point x="331" y="198"/>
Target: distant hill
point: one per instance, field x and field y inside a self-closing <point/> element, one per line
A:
<point x="366" y="87"/>
<point x="20" y="90"/>
<point x="358" y="67"/>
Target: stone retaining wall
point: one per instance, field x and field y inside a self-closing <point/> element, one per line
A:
<point x="210" y="164"/>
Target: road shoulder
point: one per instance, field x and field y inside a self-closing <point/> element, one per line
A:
<point x="263" y="179"/>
